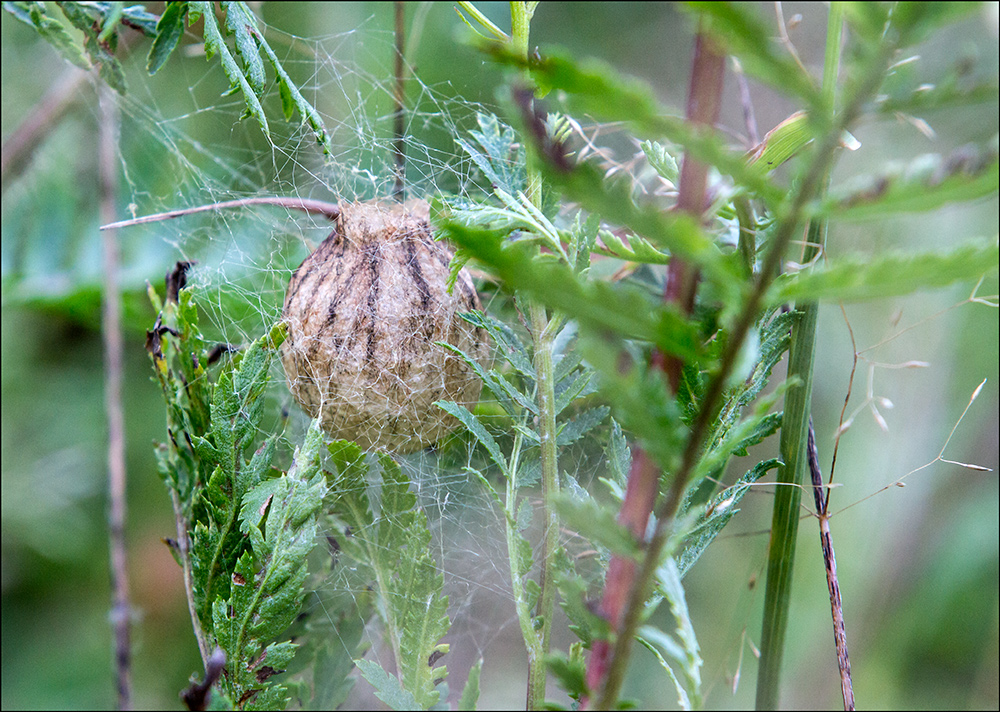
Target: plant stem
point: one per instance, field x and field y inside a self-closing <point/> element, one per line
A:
<point x="821" y="497"/>
<point x="539" y="640"/>
<point x="399" y="115"/>
<point x="812" y="180"/>
<point x="113" y="350"/>
<point x="607" y="665"/>
<point x="545" y="378"/>
<point x="794" y="435"/>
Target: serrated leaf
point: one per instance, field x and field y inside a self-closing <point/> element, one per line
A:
<point x="387" y="687"/>
<point x="216" y="44"/>
<point x="473" y="425"/>
<point x="573" y="599"/>
<point x="509" y="397"/>
<point x="291" y="98"/>
<point x="598" y="525"/>
<point x="89" y="18"/>
<point x="619" y="459"/>
<point x="279" y="517"/>
<point x="571" y="673"/>
<point x="717" y="514"/>
<point x="926" y="183"/>
<point x="579" y="426"/>
<point x="509" y="346"/>
<point x="243" y="27"/>
<point x="395" y="545"/>
<point x="682" y="649"/>
<point x="498" y="156"/>
<point x="661" y="160"/>
<point x="891" y="274"/>
<point x="632" y="248"/>
<point x="169" y="30"/>
<point x="595" y="89"/>
<point x="51" y="30"/>
<point x="573" y="387"/>
<point x="470" y="693"/>
<point x="620" y="308"/>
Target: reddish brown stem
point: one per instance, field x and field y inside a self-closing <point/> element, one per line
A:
<point x="830" y="563"/>
<point x="113" y="365"/>
<point x="704" y="101"/>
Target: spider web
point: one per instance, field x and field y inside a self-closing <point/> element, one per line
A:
<point x="243" y="260"/>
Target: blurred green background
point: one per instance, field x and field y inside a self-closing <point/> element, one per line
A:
<point x="918" y="566"/>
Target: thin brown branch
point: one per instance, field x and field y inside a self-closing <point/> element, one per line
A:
<point x="312" y="207"/>
<point x="113" y="349"/>
<point x="39" y="121"/>
<point x="830" y="563"/>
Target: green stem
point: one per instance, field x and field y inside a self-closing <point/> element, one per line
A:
<point x="525" y="617"/>
<point x="537" y="640"/>
<point x="814" y="178"/>
<point x="794" y="433"/>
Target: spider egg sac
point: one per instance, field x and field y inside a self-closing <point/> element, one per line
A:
<point x="364" y="313"/>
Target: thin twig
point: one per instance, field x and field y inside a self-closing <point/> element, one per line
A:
<point x="939" y="458"/>
<point x="112" y="334"/>
<point x="312" y="207"/>
<point x="39" y="122"/>
<point x="399" y="116"/>
<point x="749" y="118"/>
<point x="785" y="39"/>
<point x="822" y="497"/>
<point x="847" y="398"/>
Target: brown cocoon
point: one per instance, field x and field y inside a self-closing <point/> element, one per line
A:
<point x="364" y="312"/>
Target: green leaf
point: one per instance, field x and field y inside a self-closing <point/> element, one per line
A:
<point x="918" y="20"/>
<point x="682" y="647"/>
<point x="50" y="29"/>
<point x="395" y="546"/>
<point x="661" y="160"/>
<point x="619" y="458"/>
<point x="926" y="183"/>
<point x="88" y="19"/>
<point x="676" y="233"/>
<point x="387" y="687"/>
<point x="570" y="671"/>
<point x="216" y="44"/>
<point x="509" y="397"/>
<point x="169" y="31"/>
<point x="632" y="248"/>
<point x="473" y="425"/>
<point x="596" y="90"/>
<point x="111" y="20"/>
<point x="508" y="344"/>
<point x="716" y="515"/>
<point x="242" y="25"/>
<point x="498" y="156"/>
<point x="279" y="518"/>
<point x="597" y="524"/>
<point x="572" y="387"/>
<point x="576" y="428"/>
<point x="291" y="98"/>
<point x="639" y="398"/>
<point x="860" y="277"/>
<point x="470" y="693"/>
<point x="619" y="308"/>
